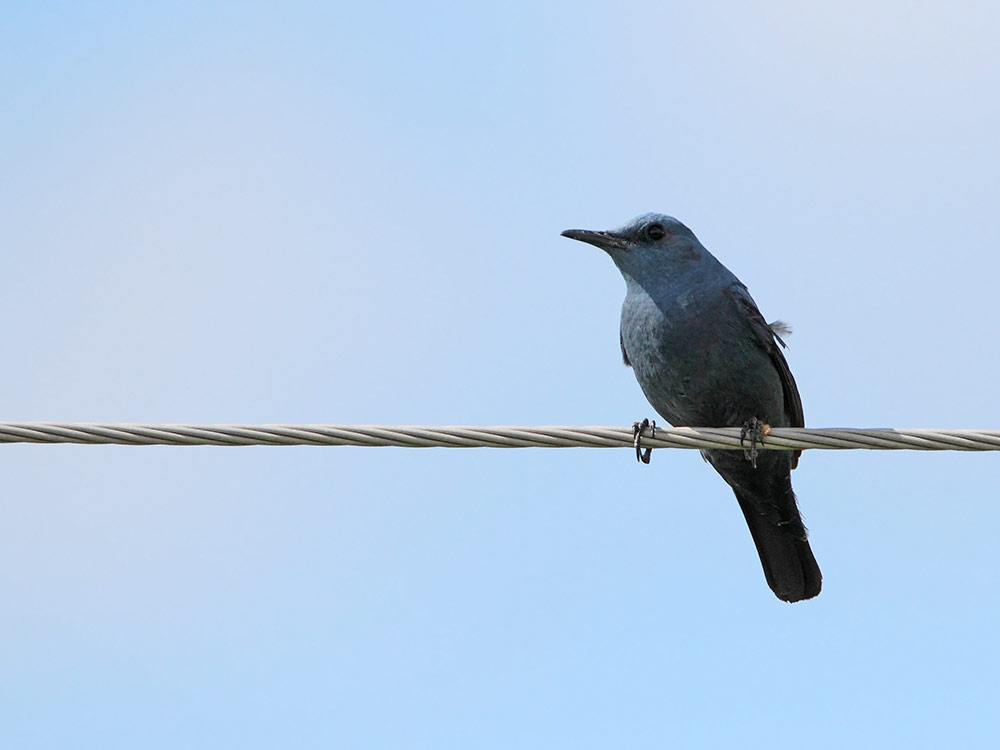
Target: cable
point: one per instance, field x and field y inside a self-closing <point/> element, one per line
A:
<point x="721" y="438"/>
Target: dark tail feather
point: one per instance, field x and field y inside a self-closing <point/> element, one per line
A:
<point x="789" y="566"/>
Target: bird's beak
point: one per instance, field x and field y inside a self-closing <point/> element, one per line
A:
<point x="604" y="240"/>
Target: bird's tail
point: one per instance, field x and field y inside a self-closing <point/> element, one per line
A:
<point x="789" y="566"/>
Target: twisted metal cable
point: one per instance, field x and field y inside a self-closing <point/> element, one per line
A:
<point x="718" y="438"/>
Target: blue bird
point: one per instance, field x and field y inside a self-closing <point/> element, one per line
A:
<point x="705" y="357"/>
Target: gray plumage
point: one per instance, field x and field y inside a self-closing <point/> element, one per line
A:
<point x="704" y="356"/>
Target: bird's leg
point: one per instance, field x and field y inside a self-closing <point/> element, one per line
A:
<point x="637" y="429"/>
<point x="756" y="430"/>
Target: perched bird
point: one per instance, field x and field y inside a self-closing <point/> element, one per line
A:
<point x="705" y="357"/>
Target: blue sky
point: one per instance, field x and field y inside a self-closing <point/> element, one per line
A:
<point x="351" y="213"/>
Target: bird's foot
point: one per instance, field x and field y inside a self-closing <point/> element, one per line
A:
<point x="756" y="430"/>
<point x="637" y="429"/>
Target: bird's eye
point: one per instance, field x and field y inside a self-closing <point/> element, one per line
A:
<point x="656" y="232"/>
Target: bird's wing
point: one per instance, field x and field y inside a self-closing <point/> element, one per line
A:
<point x="768" y="340"/>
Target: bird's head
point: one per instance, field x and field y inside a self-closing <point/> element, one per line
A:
<point x="651" y="243"/>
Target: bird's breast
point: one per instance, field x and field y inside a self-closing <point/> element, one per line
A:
<point x="690" y="357"/>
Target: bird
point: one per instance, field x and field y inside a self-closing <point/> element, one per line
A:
<point x="705" y="356"/>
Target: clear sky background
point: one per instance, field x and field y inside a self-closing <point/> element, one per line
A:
<point x="350" y="213"/>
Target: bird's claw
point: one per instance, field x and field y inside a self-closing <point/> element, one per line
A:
<point x="637" y="429"/>
<point x="756" y="430"/>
